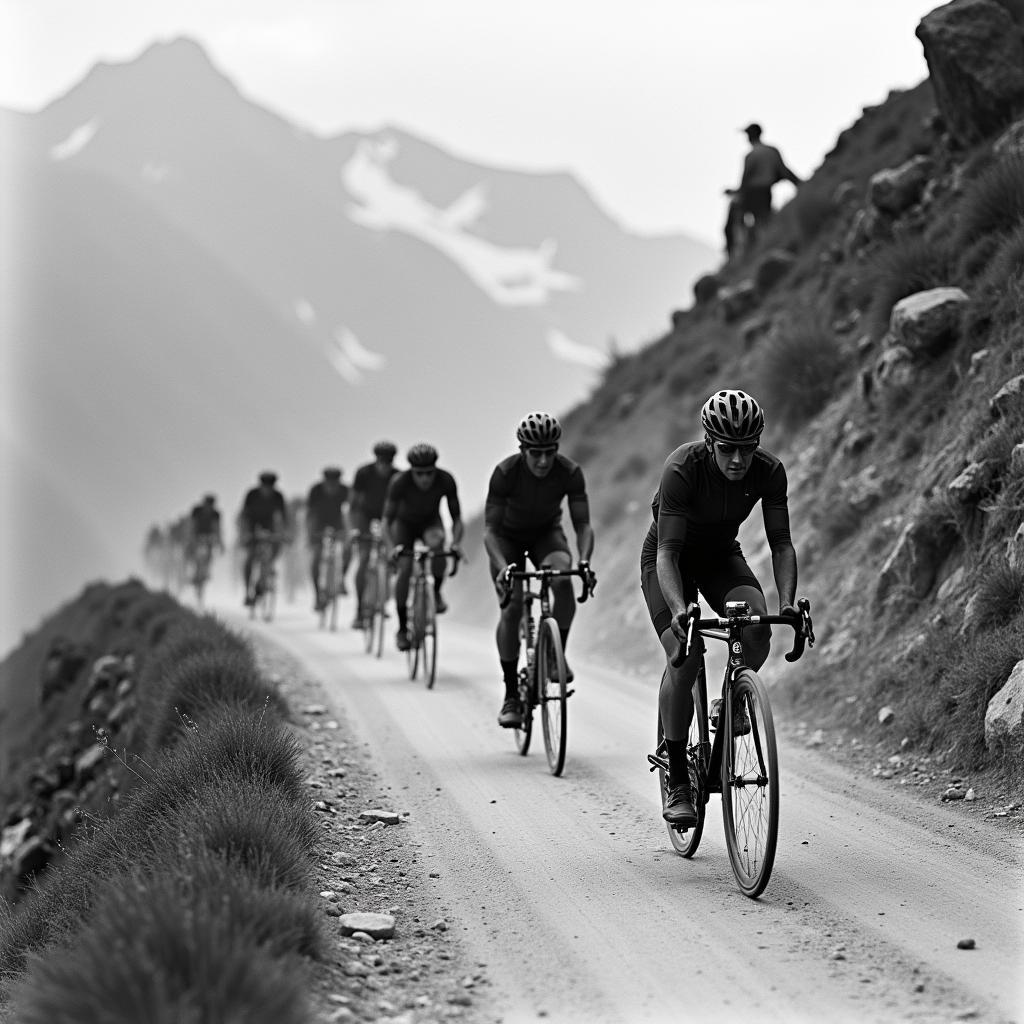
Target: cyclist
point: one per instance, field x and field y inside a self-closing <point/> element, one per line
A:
<point x="412" y="511"/>
<point x="326" y="507"/>
<point x="523" y="517"/>
<point x="369" y="488"/>
<point x="203" y="528"/>
<point x="263" y="508"/>
<point x="707" y="489"/>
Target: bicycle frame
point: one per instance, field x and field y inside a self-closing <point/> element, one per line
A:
<point x="265" y="582"/>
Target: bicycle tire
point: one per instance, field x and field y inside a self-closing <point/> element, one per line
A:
<point x="368" y="602"/>
<point x="552" y="693"/>
<point x="524" y="733"/>
<point x="383" y="582"/>
<point x="414" y="628"/>
<point x="750" y="785"/>
<point x="698" y="746"/>
<point x="429" y="638"/>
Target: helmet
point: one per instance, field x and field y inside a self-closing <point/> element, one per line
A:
<point x="422" y="455"/>
<point x="209" y="499"/>
<point x="732" y="416"/>
<point x="384" y="450"/>
<point x="268" y="477"/>
<point x="539" y="428"/>
<point x="332" y="473"/>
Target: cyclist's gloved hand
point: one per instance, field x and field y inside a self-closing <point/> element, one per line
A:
<point x="681" y="622"/>
<point x="789" y="611"/>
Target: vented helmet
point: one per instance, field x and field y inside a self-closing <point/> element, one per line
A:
<point x="422" y="456"/>
<point x="539" y="429"/>
<point x="384" y="450"/>
<point x="332" y="473"/>
<point x="267" y="477"/>
<point x="732" y="416"/>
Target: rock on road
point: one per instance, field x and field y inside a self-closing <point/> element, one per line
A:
<point x="569" y="890"/>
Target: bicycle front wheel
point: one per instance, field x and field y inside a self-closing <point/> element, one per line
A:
<point x="750" y="783"/>
<point x="429" y="639"/>
<point x="553" y="710"/>
<point x="698" y="750"/>
<point x="367" y="601"/>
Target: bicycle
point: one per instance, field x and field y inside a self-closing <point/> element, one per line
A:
<point x="422" y="617"/>
<point x="542" y="672"/>
<point x="741" y="764"/>
<point x="376" y="591"/>
<point x="328" y="577"/>
<point x="264" y="585"/>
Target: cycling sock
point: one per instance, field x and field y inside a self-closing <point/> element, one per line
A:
<point x="511" y="677"/>
<point x="403" y="618"/>
<point x="678" y="772"/>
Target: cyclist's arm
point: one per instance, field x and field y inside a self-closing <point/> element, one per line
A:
<point x="455" y="511"/>
<point x="775" y="510"/>
<point x="673" y="499"/>
<point x="579" y="516"/>
<point x="494" y="517"/>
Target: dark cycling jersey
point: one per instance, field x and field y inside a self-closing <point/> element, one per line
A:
<point x="698" y="511"/>
<point x="259" y="508"/>
<point x="324" y="506"/>
<point x="409" y="503"/>
<point x="369" y="489"/>
<point x="520" y="503"/>
<point x="205" y="521"/>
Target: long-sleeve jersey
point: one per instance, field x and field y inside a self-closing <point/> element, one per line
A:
<point x="696" y="509"/>
<point x="520" y="503"/>
<point x="412" y="504"/>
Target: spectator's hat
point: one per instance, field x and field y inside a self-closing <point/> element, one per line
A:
<point x="752" y="129"/>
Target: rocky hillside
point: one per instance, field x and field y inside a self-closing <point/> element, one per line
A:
<point x="879" y="323"/>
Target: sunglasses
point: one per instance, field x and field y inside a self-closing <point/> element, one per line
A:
<point x="423" y="472"/>
<point x="730" y="449"/>
<point x="537" y="453"/>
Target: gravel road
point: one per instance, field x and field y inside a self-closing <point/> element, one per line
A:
<point x="521" y="897"/>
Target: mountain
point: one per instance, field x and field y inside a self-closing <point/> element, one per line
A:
<point x="197" y="289"/>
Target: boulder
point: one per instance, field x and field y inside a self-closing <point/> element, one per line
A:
<point x="773" y="267"/>
<point x="1015" y="550"/>
<point x="971" y="484"/>
<point x="1009" y="399"/>
<point x="895" y="189"/>
<point x="737" y="301"/>
<point x="914" y="561"/>
<point x="705" y="289"/>
<point x="894" y="368"/>
<point x="863" y="491"/>
<point x="927" y="321"/>
<point x="1011" y="142"/>
<point x="377" y="926"/>
<point x="1004" y="717"/>
<point x="975" y="57"/>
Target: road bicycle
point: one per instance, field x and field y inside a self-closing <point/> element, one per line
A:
<point x="741" y="763"/>
<point x="202" y="556"/>
<point x="263" y="586"/>
<point x="329" y="577"/>
<point x="376" y="590"/>
<point x="422" y="610"/>
<point x="542" y="672"/>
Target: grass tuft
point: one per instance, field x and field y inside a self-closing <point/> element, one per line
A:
<point x="801" y="367"/>
<point x="994" y="202"/>
<point x="908" y="266"/>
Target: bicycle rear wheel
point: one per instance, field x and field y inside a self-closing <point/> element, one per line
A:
<point x="698" y="749"/>
<point x="553" y="710"/>
<point x="750" y="783"/>
<point x="371" y="613"/>
<point x="415" y="630"/>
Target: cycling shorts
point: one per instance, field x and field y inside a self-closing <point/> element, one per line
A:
<point x="405" y="533"/>
<point x="711" y="577"/>
<point x="516" y="547"/>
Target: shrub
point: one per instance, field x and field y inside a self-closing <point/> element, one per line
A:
<point x="994" y="203"/>
<point x="908" y="266"/>
<point x="164" y="951"/>
<point x="204" y="680"/>
<point x="999" y="597"/>
<point x="800" y="371"/>
<point x="813" y="209"/>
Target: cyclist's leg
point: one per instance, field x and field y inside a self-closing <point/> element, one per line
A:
<point x="404" y="535"/>
<point x="507" y="632"/>
<point x="315" y="554"/>
<point x="733" y="580"/>
<point x="434" y="538"/>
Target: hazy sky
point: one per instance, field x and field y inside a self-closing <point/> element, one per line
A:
<point x="641" y="99"/>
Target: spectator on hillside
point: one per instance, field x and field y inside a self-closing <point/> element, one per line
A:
<point x="751" y="206"/>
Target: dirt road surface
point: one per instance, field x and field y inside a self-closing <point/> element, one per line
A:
<point x="568" y="890"/>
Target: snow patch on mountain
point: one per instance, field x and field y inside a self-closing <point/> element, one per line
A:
<point x="75" y="142"/>
<point x="510" y="276"/>
<point x="569" y="351"/>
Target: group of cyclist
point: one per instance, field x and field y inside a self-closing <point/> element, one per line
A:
<point x="707" y="489"/>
